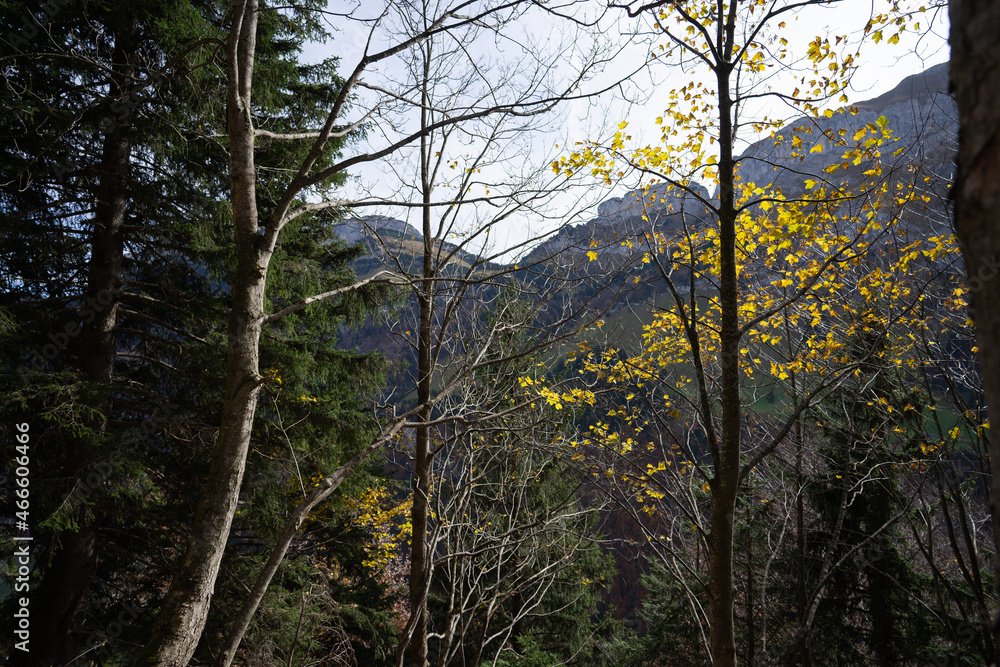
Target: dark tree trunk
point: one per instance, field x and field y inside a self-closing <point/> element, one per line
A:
<point x="975" y="77"/>
<point x="880" y="587"/>
<point x="63" y="592"/>
<point x="725" y="484"/>
<point x="415" y="645"/>
<point x="800" y="547"/>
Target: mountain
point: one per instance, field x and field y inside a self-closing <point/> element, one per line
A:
<point x="919" y="111"/>
<point x="619" y="218"/>
<point x="395" y="244"/>
<point x="362" y="229"/>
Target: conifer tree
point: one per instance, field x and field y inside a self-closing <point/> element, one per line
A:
<point x="114" y="170"/>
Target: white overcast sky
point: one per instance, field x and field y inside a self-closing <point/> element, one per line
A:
<point x="881" y="68"/>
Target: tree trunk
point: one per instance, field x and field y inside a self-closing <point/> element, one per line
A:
<point x="416" y="642"/>
<point x="64" y="589"/>
<point x="880" y="588"/>
<point x="975" y="77"/>
<point x="62" y="596"/>
<point x="416" y="646"/>
<point x="185" y="610"/>
<point x="800" y="544"/>
<point x="725" y="485"/>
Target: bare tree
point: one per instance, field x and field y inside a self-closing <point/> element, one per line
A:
<point x="506" y="526"/>
<point x="184" y="612"/>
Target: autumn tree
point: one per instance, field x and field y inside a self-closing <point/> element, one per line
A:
<point x="734" y="47"/>
<point x="259" y="215"/>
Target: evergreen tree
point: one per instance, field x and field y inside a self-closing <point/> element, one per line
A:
<point x="114" y="170"/>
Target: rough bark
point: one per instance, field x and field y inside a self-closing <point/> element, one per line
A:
<point x="185" y="610"/>
<point x="975" y="78"/>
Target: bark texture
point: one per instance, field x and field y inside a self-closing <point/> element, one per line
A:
<point x="975" y="78"/>
<point x="184" y="613"/>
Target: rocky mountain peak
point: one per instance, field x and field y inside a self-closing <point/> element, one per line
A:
<point x="360" y="229"/>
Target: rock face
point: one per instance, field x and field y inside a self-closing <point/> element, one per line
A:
<point x="628" y="216"/>
<point x="354" y="231"/>
<point x="919" y="111"/>
<point x="660" y="199"/>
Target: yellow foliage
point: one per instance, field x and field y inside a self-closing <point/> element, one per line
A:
<point x="387" y="520"/>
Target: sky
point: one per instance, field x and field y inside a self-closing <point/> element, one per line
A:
<point x="637" y="101"/>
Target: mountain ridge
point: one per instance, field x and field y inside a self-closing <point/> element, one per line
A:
<point x="919" y="110"/>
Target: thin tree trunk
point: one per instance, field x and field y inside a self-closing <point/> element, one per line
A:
<point x="751" y="609"/>
<point x="975" y="77"/>
<point x="800" y="544"/>
<point x="416" y="642"/>
<point x="879" y="589"/>
<point x="184" y="613"/>
<point x="725" y="485"/>
<point x="416" y="647"/>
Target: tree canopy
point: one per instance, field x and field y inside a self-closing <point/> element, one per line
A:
<point x="266" y="413"/>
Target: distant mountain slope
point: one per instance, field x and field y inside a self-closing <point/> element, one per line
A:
<point x="353" y="231"/>
<point x="393" y="244"/>
<point x="919" y="111"/>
